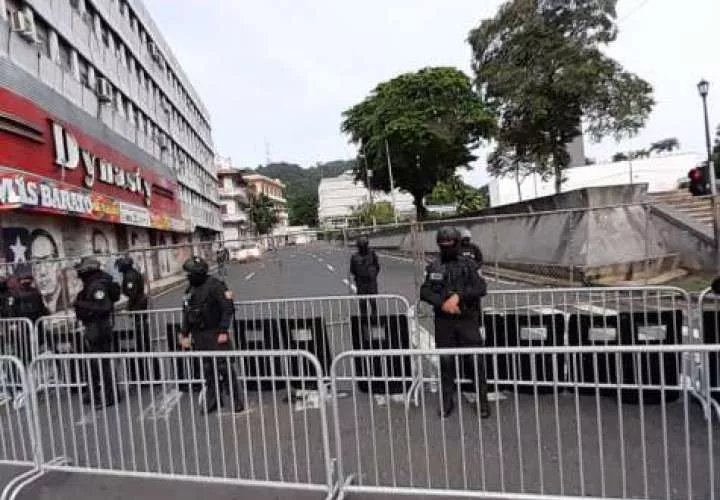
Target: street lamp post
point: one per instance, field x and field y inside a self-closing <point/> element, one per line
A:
<point x="703" y="89"/>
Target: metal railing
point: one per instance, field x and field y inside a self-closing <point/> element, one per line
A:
<point x="549" y="436"/>
<point x="162" y="428"/>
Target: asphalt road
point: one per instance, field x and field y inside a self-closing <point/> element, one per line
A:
<point x="565" y="442"/>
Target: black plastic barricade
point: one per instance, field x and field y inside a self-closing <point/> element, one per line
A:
<point x="529" y="329"/>
<point x="260" y="335"/>
<point x="306" y="334"/>
<point x="627" y="329"/>
<point x="189" y="369"/>
<point x="711" y="335"/>
<point x="380" y="333"/>
<point x="140" y="370"/>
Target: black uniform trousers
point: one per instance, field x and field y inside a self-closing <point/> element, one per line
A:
<point x="367" y="288"/>
<point x="99" y="340"/>
<point x="218" y="372"/>
<point x="460" y="333"/>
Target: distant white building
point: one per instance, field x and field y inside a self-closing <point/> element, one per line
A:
<point x="660" y="173"/>
<point x="340" y="197"/>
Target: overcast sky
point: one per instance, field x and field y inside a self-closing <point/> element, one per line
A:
<point x="276" y="75"/>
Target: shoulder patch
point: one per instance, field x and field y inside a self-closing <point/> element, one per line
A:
<point x="99" y="295"/>
<point x="229" y="295"/>
<point x="130" y="285"/>
<point x="436" y="276"/>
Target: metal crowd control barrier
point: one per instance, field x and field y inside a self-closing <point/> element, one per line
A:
<point x="565" y="437"/>
<point x="708" y="316"/>
<point x="160" y="428"/>
<point x="322" y="326"/>
<point x="547" y="318"/>
<point x="17" y="338"/>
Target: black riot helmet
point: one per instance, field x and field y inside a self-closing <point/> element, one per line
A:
<point x="465" y="237"/>
<point x="87" y="266"/>
<point x="124" y="263"/>
<point x="197" y="270"/>
<point x="363" y="244"/>
<point x="448" y="240"/>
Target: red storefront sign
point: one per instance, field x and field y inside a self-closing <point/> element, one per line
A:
<point x="51" y="167"/>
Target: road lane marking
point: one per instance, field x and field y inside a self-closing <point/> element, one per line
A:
<point x="331" y="268"/>
<point x="250" y="276"/>
<point x="320" y="259"/>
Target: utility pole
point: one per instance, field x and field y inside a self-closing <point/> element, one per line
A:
<point x="392" y="179"/>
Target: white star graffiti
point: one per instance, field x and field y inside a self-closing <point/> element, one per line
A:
<point x="18" y="250"/>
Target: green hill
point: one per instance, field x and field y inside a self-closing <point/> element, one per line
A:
<point x="302" y="185"/>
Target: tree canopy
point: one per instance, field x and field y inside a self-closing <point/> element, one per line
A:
<point x="428" y="121"/>
<point x="262" y="214"/>
<point x="466" y="198"/>
<point x="540" y="67"/>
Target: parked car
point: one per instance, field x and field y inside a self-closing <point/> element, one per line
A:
<point x="247" y="252"/>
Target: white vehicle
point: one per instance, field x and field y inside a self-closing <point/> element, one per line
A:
<point x="247" y="252"/>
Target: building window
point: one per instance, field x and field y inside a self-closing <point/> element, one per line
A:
<point x="43" y="37"/>
<point x="65" y="55"/>
<point x="75" y="4"/>
<point x="84" y="72"/>
<point x="105" y="35"/>
<point x="11" y="7"/>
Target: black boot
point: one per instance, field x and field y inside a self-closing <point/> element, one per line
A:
<point x="211" y="404"/>
<point x="447" y="405"/>
<point x="484" y="404"/>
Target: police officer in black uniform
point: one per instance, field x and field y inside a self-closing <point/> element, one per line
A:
<point x="26" y="302"/>
<point x="454" y="288"/>
<point x="365" y="268"/>
<point x="94" y="306"/>
<point x="470" y="250"/>
<point x="222" y="256"/>
<point x="133" y="287"/>
<point x="207" y="314"/>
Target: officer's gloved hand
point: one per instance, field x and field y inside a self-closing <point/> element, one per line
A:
<point x="223" y="338"/>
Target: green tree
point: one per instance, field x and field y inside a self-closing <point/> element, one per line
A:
<point x="466" y="198"/>
<point x="377" y="213"/>
<point x="429" y="122"/>
<point x="619" y="156"/>
<point x="540" y="67"/>
<point x="302" y="208"/>
<point x="505" y="161"/>
<point x="263" y="215"/>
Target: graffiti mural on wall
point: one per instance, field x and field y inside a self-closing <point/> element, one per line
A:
<point x="42" y="246"/>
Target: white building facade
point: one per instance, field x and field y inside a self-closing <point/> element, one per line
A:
<point x="660" y="173"/>
<point x="340" y="197"/>
<point x="105" y="145"/>
<point x="234" y="202"/>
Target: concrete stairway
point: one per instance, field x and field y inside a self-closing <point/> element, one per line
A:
<point x="698" y="208"/>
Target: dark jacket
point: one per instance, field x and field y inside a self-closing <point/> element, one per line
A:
<point x="133" y="287"/>
<point x="222" y="256"/>
<point x="472" y="252"/>
<point x="207" y="308"/>
<point x="95" y="302"/>
<point x="457" y="276"/>
<point x="6" y="304"/>
<point x="28" y="303"/>
<point x="365" y="267"/>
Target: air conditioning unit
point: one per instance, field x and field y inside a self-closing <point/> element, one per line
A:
<point x="104" y="90"/>
<point x="162" y="142"/>
<point x="23" y="25"/>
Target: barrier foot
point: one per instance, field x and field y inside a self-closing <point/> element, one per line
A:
<point x="338" y="491"/>
<point x="13" y="488"/>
